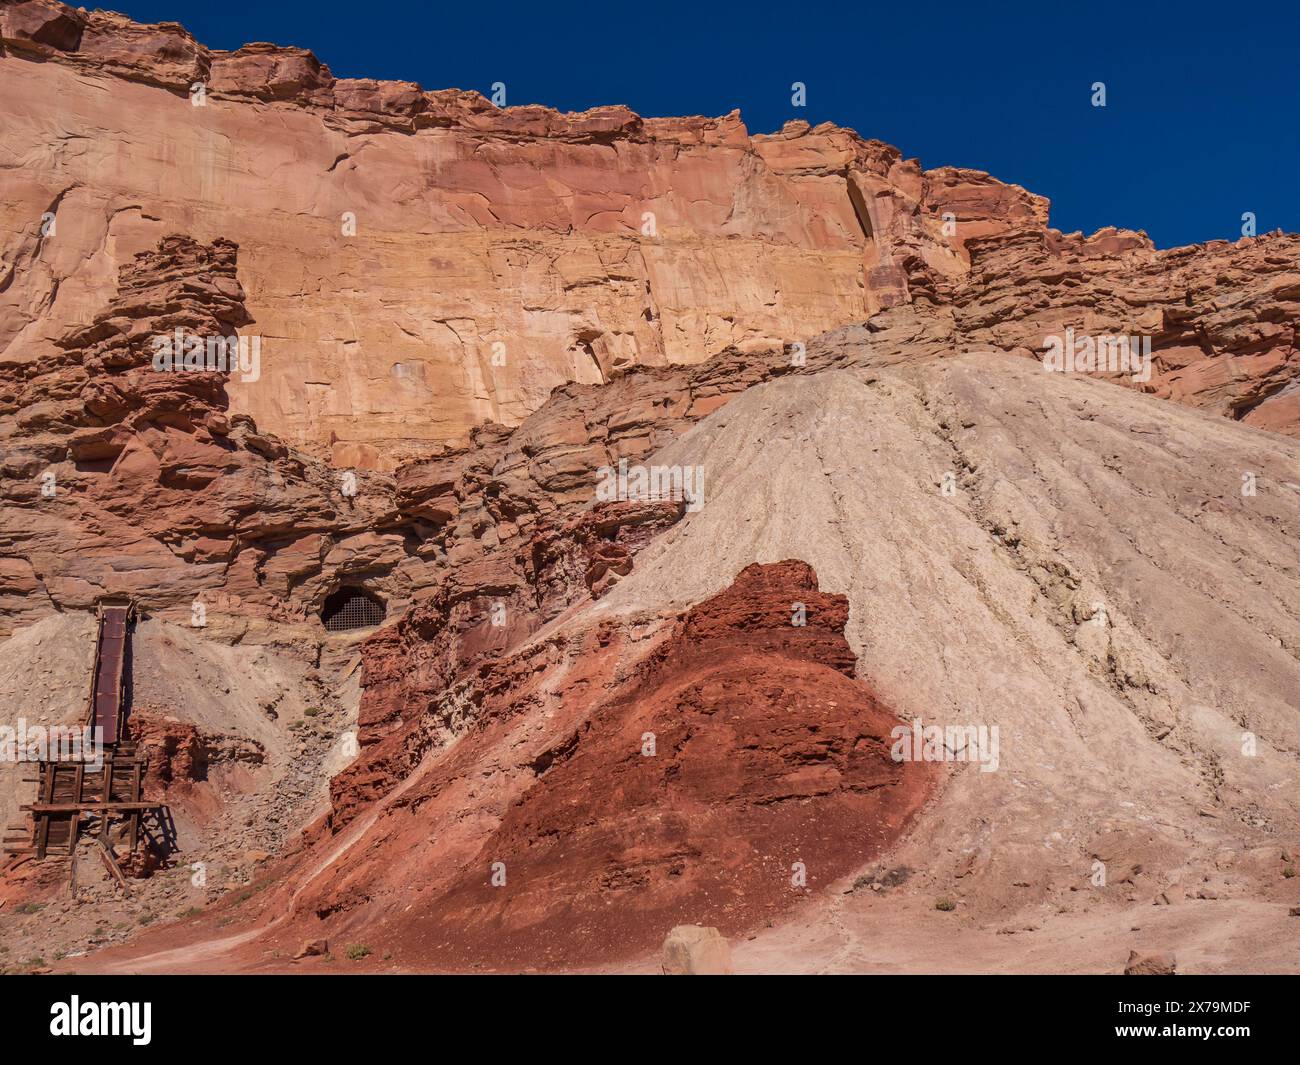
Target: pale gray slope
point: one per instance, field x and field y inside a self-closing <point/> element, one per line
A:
<point x="1097" y="587"/>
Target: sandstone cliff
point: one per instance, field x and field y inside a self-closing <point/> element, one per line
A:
<point x="420" y="261"/>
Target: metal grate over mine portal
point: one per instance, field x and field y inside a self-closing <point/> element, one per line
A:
<point x="351" y="608"/>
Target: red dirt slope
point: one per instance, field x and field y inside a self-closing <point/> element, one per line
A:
<point x="766" y="753"/>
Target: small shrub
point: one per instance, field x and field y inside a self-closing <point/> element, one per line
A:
<point x="311" y="711"/>
<point x="358" y="951"/>
<point x="1289" y="872"/>
<point x="946" y="905"/>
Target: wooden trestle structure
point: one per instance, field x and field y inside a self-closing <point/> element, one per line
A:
<point x="73" y="795"/>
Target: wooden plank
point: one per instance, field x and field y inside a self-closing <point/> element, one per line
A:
<point x="43" y="823"/>
<point x="134" y="819"/>
<point x="111" y="862"/>
<point x="108" y="794"/>
<point x="74" y="826"/>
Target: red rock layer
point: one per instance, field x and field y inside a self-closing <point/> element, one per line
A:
<point x="770" y="774"/>
<point x="761" y="241"/>
<point x="181" y="755"/>
<point x="468" y="286"/>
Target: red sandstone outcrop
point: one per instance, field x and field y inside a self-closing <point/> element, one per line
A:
<point x="181" y="754"/>
<point x="720" y="764"/>
<point x="1221" y="317"/>
<point x="651" y="241"/>
<point x="122" y="478"/>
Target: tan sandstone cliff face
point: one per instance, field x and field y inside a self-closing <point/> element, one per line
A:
<point x="417" y="263"/>
<point x="494" y="253"/>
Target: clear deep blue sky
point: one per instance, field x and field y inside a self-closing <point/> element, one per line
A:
<point x="1203" y="102"/>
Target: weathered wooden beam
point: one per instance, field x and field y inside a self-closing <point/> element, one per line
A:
<point x="134" y="817"/>
<point x="74" y="828"/>
<point x="111" y="862"/>
<point x="43" y="823"/>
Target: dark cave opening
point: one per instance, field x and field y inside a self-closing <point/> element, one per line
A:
<point x="352" y="608"/>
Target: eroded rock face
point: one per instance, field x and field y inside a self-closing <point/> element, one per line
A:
<point x="122" y="478"/>
<point x="1220" y="318"/>
<point x="181" y="754"/>
<point x="420" y="262"/>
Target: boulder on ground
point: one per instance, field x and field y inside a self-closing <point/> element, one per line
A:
<point x="1149" y="964"/>
<point x="693" y="950"/>
<point x="314" y="948"/>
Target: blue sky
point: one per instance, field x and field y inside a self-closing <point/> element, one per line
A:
<point x="1203" y="103"/>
